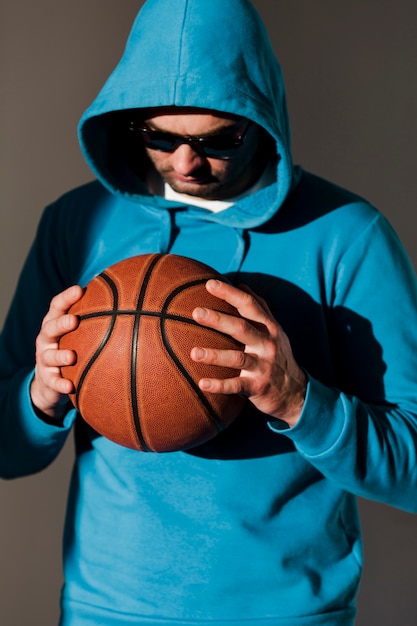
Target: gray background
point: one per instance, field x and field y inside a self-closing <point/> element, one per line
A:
<point x="351" y="82"/>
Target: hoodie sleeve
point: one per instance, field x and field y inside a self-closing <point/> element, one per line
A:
<point x="362" y="433"/>
<point x="27" y="443"/>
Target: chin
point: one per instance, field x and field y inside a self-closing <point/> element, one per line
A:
<point x="204" y="191"/>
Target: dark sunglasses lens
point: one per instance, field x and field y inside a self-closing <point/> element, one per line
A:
<point x="222" y="147"/>
<point x="159" y="141"/>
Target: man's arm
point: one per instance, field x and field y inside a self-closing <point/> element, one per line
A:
<point x="361" y="432"/>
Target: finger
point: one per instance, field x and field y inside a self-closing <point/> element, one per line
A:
<point x="61" y="385"/>
<point x="58" y="358"/>
<point x="54" y="328"/>
<point x="259" y="298"/>
<point x="235" y="359"/>
<point x="62" y="302"/>
<point x="237" y="327"/>
<point x="227" y="386"/>
<point x="245" y="301"/>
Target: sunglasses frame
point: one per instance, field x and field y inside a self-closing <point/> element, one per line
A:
<point x="201" y="145"/>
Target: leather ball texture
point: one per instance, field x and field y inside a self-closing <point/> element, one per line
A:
<point x="135" y="382"/>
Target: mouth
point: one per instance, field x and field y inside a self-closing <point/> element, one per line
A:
<point x="193" y="180"/>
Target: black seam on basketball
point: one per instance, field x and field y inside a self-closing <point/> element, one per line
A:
<point x="133" y="358"/>
<point x="212" y="414"/>
<point x="144" y="313"/>
<point x="141" y="312"/>
<point x="113" y="316"/>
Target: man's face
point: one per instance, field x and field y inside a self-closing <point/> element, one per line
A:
<point x="188" y="170"/>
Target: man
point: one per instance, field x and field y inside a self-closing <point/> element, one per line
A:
<point x="189" y="140"/>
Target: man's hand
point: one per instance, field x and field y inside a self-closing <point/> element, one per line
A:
<point x="49" y="389"/>
<point x="269" y="375"/>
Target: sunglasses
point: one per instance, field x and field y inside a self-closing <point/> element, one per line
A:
<point x="222" y="145"/>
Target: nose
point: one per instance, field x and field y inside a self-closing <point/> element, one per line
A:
<point x="185" y="160"/>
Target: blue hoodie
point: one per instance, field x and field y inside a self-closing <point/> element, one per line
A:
<point x="259" y="526"/>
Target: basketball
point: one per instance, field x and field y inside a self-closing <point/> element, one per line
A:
<point x="135" y="382"/>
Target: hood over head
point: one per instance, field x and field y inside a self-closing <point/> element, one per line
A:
<point x="209" y="54"/>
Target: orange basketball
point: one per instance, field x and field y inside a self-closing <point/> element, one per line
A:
<point x="135" y="381"/>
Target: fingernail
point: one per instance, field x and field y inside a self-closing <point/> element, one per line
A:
<point x="67" y="321"/>
<point x="200" y="312"/>
<point x="66" y="358"/>
<point x="199" y="353"/>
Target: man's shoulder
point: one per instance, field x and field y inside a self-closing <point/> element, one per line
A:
<point x="79" y="207"/>
<point x="87" y="192"/>
<point x="316" y="199"/>
<point x="87" y="199"/>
